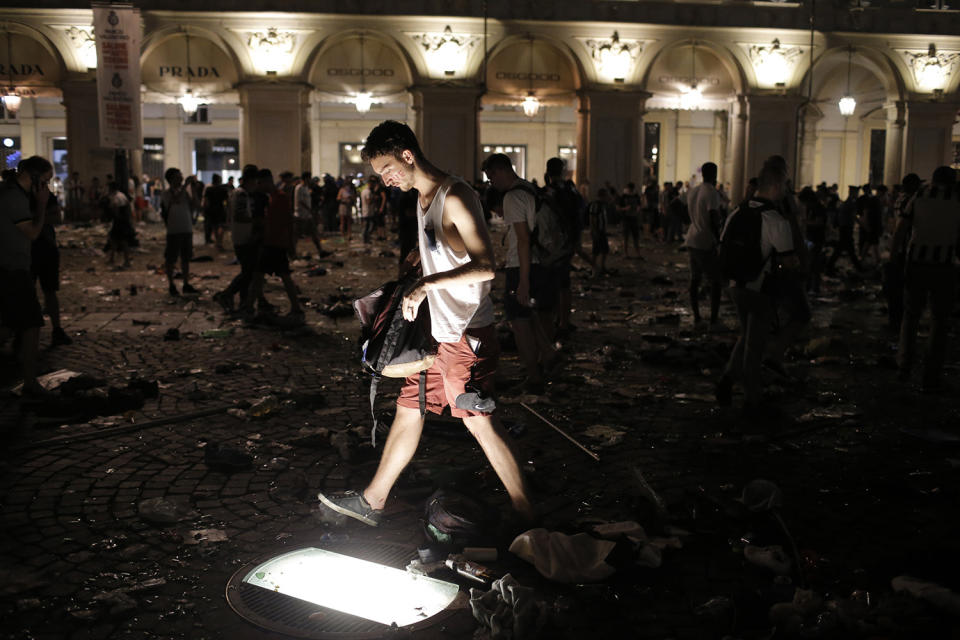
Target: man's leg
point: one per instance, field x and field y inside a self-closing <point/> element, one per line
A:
<point x="397" y="452"/>
<point x="524" y="335"/>
<point x="493" y="439"/>
<point x="942" y="286"/>
<point x="291" y="289"/>
<point x="696" y="277"/>
<point x="914" y="299"/>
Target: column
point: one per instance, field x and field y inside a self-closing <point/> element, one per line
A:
<point x="447" y="124"/>
<point x="610" y="128"/>
<point x="736" y="149"/>
<point x="808" y="146"/>
<point x="274" y="131"/>
<point x="84" y="153"/>
<point x="928" y="143"/>
<point x="893" y="149"/>
<point x="771" y="130"/>
<point x="173" y="139"/>
<point x="27" y="116"/>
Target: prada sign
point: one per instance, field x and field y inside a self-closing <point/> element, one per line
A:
<point x="210" y="71"/>
<point x="15" y="69"/>
<point x="176" y="71"/>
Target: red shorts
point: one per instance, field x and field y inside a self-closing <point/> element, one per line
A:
<point x="472" y="361"/>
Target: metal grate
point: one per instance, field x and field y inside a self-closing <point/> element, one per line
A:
<point x="293" y="617"/>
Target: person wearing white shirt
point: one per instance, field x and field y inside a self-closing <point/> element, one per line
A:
<point x="707" y="208"/>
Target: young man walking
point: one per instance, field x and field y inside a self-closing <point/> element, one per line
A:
<point x="707" y="208"/>
<point x="523" y="274"/>
<point x="456" y="256"/>
<point x="929" y="227"/>
<point x="754" y="298"/>
<point x="176" y="208"/>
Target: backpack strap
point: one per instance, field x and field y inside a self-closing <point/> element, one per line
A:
<point x="422" y="394"/>
<point x="374" y="383"/>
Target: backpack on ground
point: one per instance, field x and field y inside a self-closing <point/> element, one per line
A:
<point x="391" y="346"/>
<point x="549" y="238"/>
<point x="741" y="256"/>
<point x="455" y="519"/>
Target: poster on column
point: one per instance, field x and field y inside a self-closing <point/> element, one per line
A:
<point x="117" y="32"/>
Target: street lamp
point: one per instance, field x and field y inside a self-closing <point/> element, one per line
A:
<point x="847" y="103"/>
<point x="11" y="101"/>
<point x="188" y="101"/>
<point x="692" y="98"/>
<point x="530" y="104"/>
<point x="363" y="100"/>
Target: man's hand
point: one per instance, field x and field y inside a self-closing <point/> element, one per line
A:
<point x="413" y="299"/>
<point x="41" y="193"/>
<point x="523" y="294"/>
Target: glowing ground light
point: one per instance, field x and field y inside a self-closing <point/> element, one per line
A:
<point x="357" y="587"/>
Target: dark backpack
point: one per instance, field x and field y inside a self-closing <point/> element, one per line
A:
<point x="391" y="346"/>
<point x="741" y="256"/>
<point x="454" y="519"/>
<point x="549" y="238"/>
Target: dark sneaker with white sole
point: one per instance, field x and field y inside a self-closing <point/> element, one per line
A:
<point x="353" y="505"/>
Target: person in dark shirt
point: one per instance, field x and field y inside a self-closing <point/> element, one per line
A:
<point x="215" y="210"/>
<point x="277" y="237"/>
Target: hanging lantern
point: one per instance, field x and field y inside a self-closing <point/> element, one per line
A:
<point x="847" y="103"/>
<point x="11" y="101"/>
<point x="189" y="102"/>
<point x="363" y="101"/>
<point x="530" y="105"/>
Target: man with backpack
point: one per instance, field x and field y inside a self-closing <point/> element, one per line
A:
<point x="523" y="212"/>
<point x="456" y="257"/>
<point x="757" y="241"/>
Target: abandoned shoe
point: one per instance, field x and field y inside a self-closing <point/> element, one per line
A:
<point x="353" y="505"/>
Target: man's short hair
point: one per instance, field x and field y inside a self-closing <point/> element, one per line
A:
<point x="772" y="175"/>
<point x="391" y="138"/>
<point x="945" y="176"/>
<point x="265" y="174"/>
<point x="911" y="182"/>
<point x="709" y="172"/>
<point x="170" y="173"/>
<point x="555" y="167"/>
<point x="35" y="165"/>
<point x="497" y="161"/>
<point x="216" y="179"/>
<point x="305" y="176"/>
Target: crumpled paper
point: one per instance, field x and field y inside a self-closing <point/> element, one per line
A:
<point x="508" y="611"/>
<point x="563" y="558"/>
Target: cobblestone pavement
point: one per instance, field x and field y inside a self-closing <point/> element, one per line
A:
<point x="868" y="466"/>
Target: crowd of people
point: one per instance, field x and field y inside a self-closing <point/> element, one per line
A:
<point x="769" y="252"/>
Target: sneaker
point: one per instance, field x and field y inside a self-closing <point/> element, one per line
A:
<point x="225" y="300"/>
<point x="189" y="289"/>
<point x="60" y="337"/>
<point x="353" y="505"/>
<point x="173" y="290"/>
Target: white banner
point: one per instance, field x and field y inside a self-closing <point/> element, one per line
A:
<point x="117" y="32"/>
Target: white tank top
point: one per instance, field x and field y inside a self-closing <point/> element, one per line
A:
<point x="453" y="310"/>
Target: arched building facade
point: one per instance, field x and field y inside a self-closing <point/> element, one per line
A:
<point x="623" y="92"/>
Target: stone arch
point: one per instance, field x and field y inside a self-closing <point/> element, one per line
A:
<point x="214" y="68"/>
<point x="37" y="67"/>
<point x="557" y="72"/>
<point x="333" y="67"/>
<point x="669" y="68"/>
<point x="869" y="59"/>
